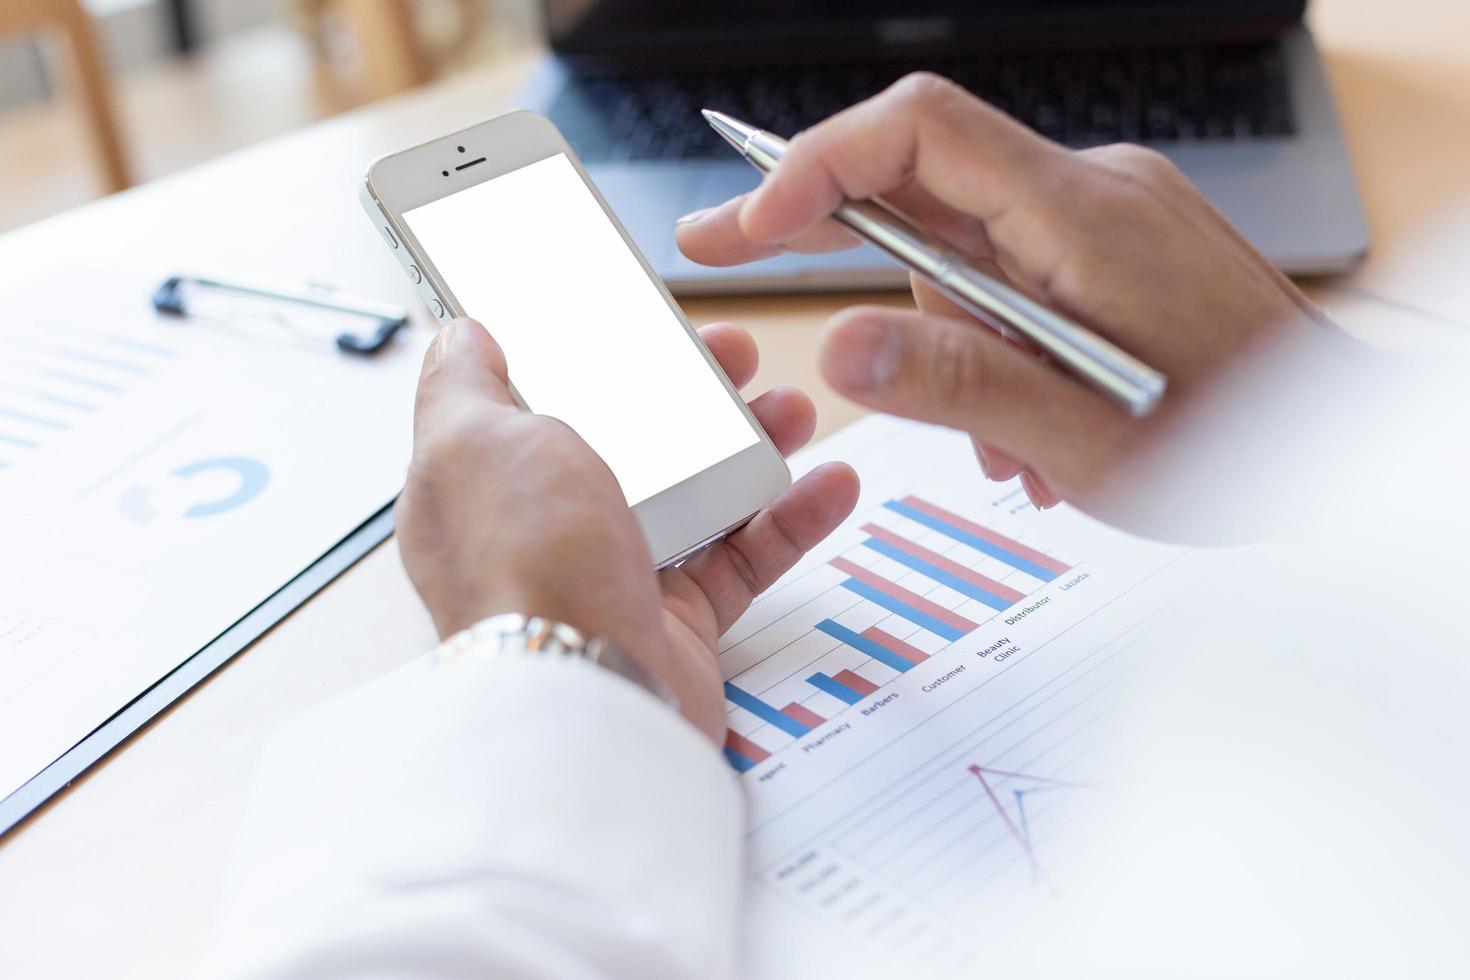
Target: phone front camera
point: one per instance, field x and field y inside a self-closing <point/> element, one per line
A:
<point x="445" y="172"/>
<point x="461" y="149"/>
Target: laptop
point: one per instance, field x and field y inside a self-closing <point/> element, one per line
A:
<point x="1232" y="90"/>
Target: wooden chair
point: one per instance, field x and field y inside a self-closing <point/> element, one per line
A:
<point x="395" y="56"/>
<point x="88" y="75"/>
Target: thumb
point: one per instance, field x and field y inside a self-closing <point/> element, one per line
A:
<point x="962" y="375"/>
<point x="466" y="353"/>
<point x="464" y="370"/>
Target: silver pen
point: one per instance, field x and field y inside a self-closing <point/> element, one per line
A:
<point x="1113" y="372"/>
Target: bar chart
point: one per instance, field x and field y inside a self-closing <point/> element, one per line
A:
<point x="919" y="578"/>
<point x="50" y="385"/>
<point x="924" y="707"/>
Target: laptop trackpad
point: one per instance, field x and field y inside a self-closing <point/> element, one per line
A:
<point x="648" y="198"/>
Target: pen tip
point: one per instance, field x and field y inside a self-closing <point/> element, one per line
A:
<point x="735" y="133"/>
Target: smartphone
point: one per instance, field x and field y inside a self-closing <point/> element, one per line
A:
<point x="500" y="222"/>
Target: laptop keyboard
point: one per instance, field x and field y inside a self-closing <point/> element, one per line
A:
<point x="1157" y="95"/>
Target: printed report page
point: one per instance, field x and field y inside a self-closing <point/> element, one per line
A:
<point x="160" y="477"/>
<point x="919" y="709"/>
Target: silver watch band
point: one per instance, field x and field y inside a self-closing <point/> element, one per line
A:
<point x="514" y="634"/>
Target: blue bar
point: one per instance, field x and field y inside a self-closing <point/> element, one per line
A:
<point x="857" y="641"/>
<point x="903" y="609"/>
<point x="11" y="413"/>
<point x="107" y="362"/>
<point x="764" y="711"/>
<point x="47" y="396"/>
<point x="834" y="687"/>
<point x="740" y="762"/>
<point x="139" y="345"/>
<point x="86" y="382"/>
<point x="979" y="544"/>
<point x="939" y="575"/>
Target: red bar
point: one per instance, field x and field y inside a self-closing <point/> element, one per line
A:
<point x="857" y="682"/>
<point x="803" y="714"/>
<point x="893" y="644"/>
<point x="739" y="743"/>
<point x="953" y="567"/>
<point x="903" y="595"/>
<point x="1015" y="547"/>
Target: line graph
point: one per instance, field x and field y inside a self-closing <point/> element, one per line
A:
<point x="978" y="829"/>
<point x="1018" y="825"/>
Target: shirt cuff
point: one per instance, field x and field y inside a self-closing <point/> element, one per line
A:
<point x="567" y="806"/>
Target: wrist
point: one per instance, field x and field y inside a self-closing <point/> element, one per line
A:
<point x="507" y="635"/>
<point x="580" y="605"/>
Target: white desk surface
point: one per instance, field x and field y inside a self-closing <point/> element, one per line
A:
<point x="119" y="875"/>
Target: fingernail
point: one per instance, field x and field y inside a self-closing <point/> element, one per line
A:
<point x="694" y="216"/>
<point x="984" y="463"/>
<point x="455" y="335"/>
<point x="446" y="339"/>
<point x="865" y="354"/>
<point x="1030" y="487"/>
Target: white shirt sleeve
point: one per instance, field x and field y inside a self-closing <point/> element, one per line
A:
<point x="476" y="817"/>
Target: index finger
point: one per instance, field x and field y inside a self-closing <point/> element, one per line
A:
<point x="923" y="128"/>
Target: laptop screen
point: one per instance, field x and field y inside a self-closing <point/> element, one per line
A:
<point x="661" y="29"/>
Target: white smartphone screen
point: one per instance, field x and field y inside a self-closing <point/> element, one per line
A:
<point x="588" y="337"/>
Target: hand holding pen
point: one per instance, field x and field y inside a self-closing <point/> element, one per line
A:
<point x="1114" y="240"/>
<point x="1102" y="366"/>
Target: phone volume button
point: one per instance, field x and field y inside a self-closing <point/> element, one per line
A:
<point x="415" y="274"/>
<point x="437" y="308"/>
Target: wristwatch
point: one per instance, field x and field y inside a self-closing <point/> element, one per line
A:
<point x="516" y="635"/>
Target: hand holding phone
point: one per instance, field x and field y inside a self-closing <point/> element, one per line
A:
<point x="505" y="511"/>
<point x="499" y="222"/>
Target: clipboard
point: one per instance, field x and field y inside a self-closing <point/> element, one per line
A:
<point x="310" y="321"/>
<point x="121" y="726"/>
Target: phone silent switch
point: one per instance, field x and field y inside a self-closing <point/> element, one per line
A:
<point x="415" y="274"/>
<point x="437" y="308"/>
<point x="388" y="234"/>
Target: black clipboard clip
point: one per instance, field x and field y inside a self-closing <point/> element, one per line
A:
<point x="358" y="326"/>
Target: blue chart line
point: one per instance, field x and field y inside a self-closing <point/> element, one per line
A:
<point x="157" y="350"/>
<point x="903" y="609"/>
<point x="96" y="384"/>
<point x="27" y="417"/>
<point x="98" y="360"/>
<point x="1021" y="795"/>
<point x="834" y="687"/>
<point x="974" y="541"/>
<point x="1020" y="827"/>
<point x="939" y="575"/>
<point x="764" y="711"/>
<point x="62" y="400"/>
<point x="861" y="643"/>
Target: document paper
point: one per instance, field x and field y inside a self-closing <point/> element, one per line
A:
<point x="916" y="707"/>
<point x="159" y="478"/>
